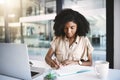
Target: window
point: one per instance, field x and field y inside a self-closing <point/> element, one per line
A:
<point x="38" y="35"/>
<point x="95" y="12"/>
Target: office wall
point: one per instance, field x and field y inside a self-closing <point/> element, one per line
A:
<point x="116" y="34"/>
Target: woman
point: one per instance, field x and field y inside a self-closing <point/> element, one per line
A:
<point x="70" y="45"/>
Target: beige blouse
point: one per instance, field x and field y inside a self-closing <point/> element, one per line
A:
<point x="78" y="50"/>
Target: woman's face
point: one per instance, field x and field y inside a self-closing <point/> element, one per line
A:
<point x="70" y="29"/>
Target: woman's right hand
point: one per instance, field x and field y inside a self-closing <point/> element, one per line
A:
<point x="52" y="62"/>
<point x="55" y="64"/>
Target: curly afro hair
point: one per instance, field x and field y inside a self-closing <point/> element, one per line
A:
<point x="67" y="15"/>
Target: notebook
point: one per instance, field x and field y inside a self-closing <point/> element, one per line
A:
<point x="14" y="62"/>
<point x="72" y="69"/>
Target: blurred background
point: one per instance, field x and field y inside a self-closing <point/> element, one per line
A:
<point x="31" y="22"/>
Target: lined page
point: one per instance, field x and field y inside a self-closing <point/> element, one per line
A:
<point x="72" y="69"/>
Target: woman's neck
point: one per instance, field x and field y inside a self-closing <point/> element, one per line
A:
<point x="71" y="40"/>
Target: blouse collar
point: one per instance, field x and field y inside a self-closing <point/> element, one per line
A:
<point x="76" y="40"/>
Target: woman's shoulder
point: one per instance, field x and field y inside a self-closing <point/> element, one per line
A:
<point x="83" y="37"/>
<point x="56" y="38"/>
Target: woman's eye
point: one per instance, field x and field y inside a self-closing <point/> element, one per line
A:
<point x="72" y="27"/>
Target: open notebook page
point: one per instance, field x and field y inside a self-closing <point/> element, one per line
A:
<point x="72" y="69"/>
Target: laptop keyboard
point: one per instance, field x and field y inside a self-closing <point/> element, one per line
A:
<point x="33" y="73"/>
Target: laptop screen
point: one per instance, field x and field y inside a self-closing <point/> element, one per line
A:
<point x="14" y="60"/>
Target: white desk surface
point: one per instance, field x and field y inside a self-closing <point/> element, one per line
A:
<point x="114" y="74"/>
<point x="3" y="77"/>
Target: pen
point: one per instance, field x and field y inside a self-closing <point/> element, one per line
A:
<point x="81" y="71"/>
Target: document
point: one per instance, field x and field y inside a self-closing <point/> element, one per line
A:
<point x="72" y="69"/>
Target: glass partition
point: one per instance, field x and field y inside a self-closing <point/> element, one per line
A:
<point x="9" y="20"/>
<point x="38" y="7"/>
<point x="38" y="35"/>
<point x="2" y="29"/>
<point x="38" y="31"/>
<point x="2" y="35"/>
<point x="95" y="12"/>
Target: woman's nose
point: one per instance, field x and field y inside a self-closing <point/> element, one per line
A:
<point x="69" y="31"/>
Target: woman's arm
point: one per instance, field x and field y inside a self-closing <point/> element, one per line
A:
<point x="50" y="61"/>
<point x="84" y="63"/>
<point x="88" y="62"/>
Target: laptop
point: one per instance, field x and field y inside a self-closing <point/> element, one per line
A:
<point x="14" y="62"/>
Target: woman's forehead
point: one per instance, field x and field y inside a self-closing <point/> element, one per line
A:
<point x="70" y="23"/>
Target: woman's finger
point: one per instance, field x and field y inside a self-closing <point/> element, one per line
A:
<point x="54" y="64"/>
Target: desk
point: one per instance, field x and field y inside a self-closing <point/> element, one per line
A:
<point x="3" y="77"/>
<point x="114" y="74"/>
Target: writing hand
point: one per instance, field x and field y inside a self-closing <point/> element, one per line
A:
<point x="55" y="64"/>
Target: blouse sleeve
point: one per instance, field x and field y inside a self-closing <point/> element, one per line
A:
<point x="89" y="46"/>
<point x="53" y="43"/>
<point x="88" y="49"/>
